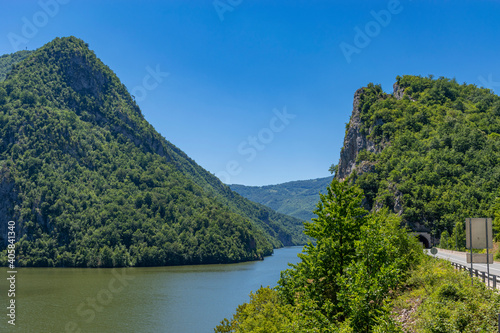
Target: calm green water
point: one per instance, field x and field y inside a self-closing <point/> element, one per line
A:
<point x="158" y="299"/>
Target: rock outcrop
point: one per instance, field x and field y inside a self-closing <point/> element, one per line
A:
<point x="354" y="143"/>
<point x="398" y="91"/>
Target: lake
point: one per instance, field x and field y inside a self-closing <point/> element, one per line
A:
<point x="175" y="299"/>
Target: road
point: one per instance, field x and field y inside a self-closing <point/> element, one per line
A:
<point x="459" y="257"/>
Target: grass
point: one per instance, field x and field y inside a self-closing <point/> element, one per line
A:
<point x="439" y="299"/>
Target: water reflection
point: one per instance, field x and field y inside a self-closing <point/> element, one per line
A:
<point x="153" y="299"/>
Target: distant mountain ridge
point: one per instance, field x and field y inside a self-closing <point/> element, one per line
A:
<point x="295" y="198"/>
<point x="90" y="183"/>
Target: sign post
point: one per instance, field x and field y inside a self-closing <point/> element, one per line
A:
<point x="470" y="235"/>
<point x="487" y="250"/>
<point x="479" y="233"/>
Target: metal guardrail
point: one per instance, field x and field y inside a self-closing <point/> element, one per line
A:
<point x="479" y="274"/>
<point x="484" y="276"/>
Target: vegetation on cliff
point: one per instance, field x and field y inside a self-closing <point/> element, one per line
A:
<point x="8" y="60"/>
<point x="90" y="183"/>
<point x="435" y="154"/>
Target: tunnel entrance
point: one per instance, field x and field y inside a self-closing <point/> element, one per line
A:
<point x="422" y="239"/>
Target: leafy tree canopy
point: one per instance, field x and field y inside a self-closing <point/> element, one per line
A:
<point x="90" y="183"/>
<point x="439" y="151"/>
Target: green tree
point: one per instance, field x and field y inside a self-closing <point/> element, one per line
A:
<point x="444" y="241"/>
<point x="457" y="238"/>
<point x="496" y="215"/>
<point x="99" y="187"/>
<point x="385" y="253"/>
<point x="344" y="280"/>
<point x="266" y="313"/>
<point x="337" y="227"/>
<point x="3" y="95"/>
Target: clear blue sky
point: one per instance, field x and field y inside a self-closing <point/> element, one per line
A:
<point x="234" y="64"/>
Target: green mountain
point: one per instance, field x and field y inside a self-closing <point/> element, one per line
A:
<point x="430" y="151"/>
<point x="90" y="183"/>
<point x="8" y="60"/>
<point x="296" y="198"/>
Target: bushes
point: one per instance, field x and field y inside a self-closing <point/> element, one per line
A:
<point x="377" y="281"/>
<point x="446" y="301"/>
<point x="267" y="313"/>
<point x="344" y="281"/>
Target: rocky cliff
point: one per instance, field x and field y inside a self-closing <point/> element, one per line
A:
<point x="428" y="151"/>
<point x="356" y="140"/>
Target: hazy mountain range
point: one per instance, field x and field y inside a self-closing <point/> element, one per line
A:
<point x="296" y="198"/>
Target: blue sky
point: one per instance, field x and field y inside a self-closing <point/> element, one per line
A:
<point x="258" y="92"/>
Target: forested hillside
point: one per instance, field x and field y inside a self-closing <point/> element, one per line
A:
<point x="430" y="151"/>
<point x="90" y="183"/>
<point x="8" y="60"/>
<point x="296" y="198"/>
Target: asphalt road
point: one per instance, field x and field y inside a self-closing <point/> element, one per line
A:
<point x="460" y="259"/>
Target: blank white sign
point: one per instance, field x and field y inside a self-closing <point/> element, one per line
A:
<point x="479" y="227"/>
